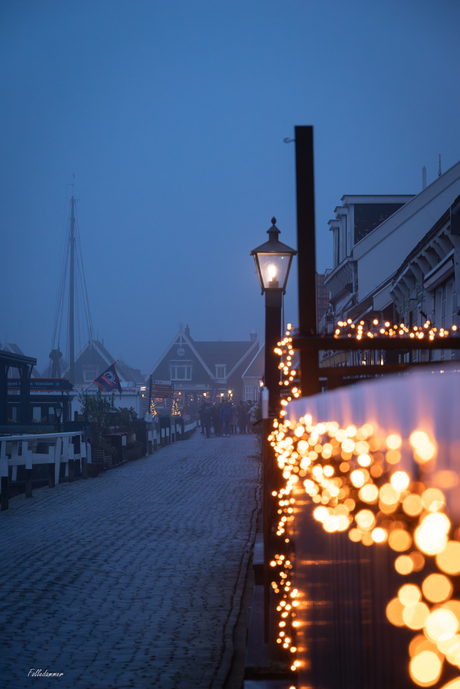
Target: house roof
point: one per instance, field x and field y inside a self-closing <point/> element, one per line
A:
<point x="14" y="349"/>
<point x="257" y="366"/>
<point x="378" y="255"/>
<point x="94" y="353"/>
<point x="425" y="239"/>
<point x="208" y="354"/>
<point x="229" y="353"/>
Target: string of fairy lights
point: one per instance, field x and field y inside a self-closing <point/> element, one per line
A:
<point x="353" y="478"/>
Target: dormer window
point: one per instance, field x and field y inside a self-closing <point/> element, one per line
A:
<point x="180" y="370"/>
<point x="221" y="371"/>
<point x="90" y="373"/>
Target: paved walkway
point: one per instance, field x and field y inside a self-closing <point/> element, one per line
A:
<point x="132" y="579"/>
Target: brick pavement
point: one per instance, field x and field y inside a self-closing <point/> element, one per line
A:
<point x="131" y="579"/>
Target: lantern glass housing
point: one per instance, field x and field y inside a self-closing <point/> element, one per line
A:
<point x="273" y="261"/>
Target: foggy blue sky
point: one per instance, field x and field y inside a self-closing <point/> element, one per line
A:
<point x="172" y="115"/>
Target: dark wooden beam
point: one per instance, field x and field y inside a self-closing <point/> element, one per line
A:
<point x="306" y="248"/>
<point x="320" y="342"/>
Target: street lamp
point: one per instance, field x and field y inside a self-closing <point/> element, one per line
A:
<point x="273" y="262"/>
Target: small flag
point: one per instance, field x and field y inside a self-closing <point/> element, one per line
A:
<point x="108" y="380"/>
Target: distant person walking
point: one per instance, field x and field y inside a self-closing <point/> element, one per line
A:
<point x="201" y="411"/>
<point x="208" y="420"/>
<point x="234" y="420"/>
<point x="242" y="423"/>
<point x="226" y="415"/>
<point x="216" y="420"/>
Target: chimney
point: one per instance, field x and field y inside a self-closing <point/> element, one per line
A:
<point x="439" y="171"/>
<point x="253" y="335"/>
<point x="423" y="177"/>
<point x="187" y="331"/>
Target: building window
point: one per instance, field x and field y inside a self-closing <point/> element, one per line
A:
<point x="90" y="373"/>
<point x="221" y="371"/>
<point x="180" y="370"/>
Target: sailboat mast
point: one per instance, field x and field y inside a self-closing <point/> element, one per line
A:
<point x="72" y="293"/>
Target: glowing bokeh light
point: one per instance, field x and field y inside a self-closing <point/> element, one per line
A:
<point x="409" y="594"/>
<point x="437" y="588"/>
<point x="425" y="668"/>
<point x="448" y="560"/>
<point x="399" y="540"/>
<point x="416" y="616"/>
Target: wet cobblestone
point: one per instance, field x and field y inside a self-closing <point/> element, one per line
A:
<point x="128" y="580"/>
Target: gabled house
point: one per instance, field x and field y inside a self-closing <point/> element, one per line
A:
<point x="92" y="360"/>
<point x="204" y="370"/>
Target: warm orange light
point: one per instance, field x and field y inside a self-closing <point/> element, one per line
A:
<point x="365" y="519"/>
<point x="364" y="460"/>
<point x="412" y="505"/>
<point x="399" y="480"/>
<point x="357" y="478"/>
<point x="431" y="535"/>
<point x="388" y="494"/>
<point x="418" y="560"/>
<point x="425" y="668"/>
<point x="399" y="540"/>
<point x="394" y="612"/>
<point x="448" y="560"/>
<point x="321" y="513"/>
<point x="424" y="449"/>
<point x="369" y="493"/>
<point x="416" y="616"/>
<point x="437" y="588"/>
<point x="355" y="535"/>
<point x="393" y="441"/>
<point x="409" y="594"/>
<point x="379" y="535"/>
<point x="404" y="564"/>
<point x="441" y="625"/>
<point x="433" y="500"/>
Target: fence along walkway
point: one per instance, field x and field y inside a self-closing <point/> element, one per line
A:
<point x="64" y="449"/>
<point x="61" y="449"/>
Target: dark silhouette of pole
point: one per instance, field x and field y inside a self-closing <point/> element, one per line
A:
<point x="273" y="304"/>
<point x="72" y="293"/>
<point x="306" y="247"/>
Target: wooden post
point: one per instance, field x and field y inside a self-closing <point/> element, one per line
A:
<point x="71" y="461"/>
<point x="306" y="246"/>
<point x="84" y="462"/>
<point x="65" y="455"/>
<point x="28" y="456"/>
<point x="51" y="461"/>
<point x="4" y="474"/>
<point x="14" y="456"/>
<point x="57" y="461"/>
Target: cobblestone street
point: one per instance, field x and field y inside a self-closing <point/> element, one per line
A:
<point x="132" y="579"/>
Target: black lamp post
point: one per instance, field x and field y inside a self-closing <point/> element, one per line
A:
<point x="273" y="262"/>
